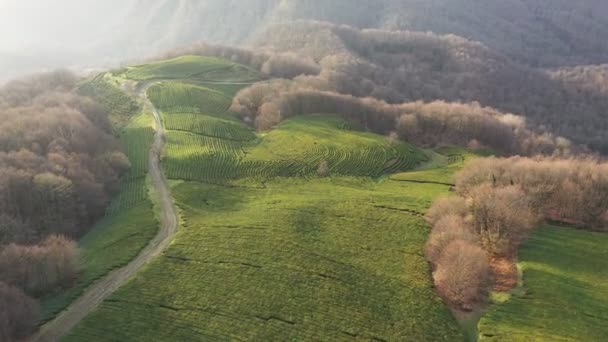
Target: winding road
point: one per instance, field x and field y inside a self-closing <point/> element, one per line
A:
<point x="95" y="294"/>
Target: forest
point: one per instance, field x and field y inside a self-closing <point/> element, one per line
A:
<point x="60" y="163"/>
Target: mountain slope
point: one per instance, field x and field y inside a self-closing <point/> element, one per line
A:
<point x="533" y="32"/>
<point x="409" y="66"/>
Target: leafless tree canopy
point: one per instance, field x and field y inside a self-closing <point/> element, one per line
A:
<point x="59" y="161"/>
<point x="421" y="123"/>
<point x="19" y="313"/>
<point x="571" y="190"/>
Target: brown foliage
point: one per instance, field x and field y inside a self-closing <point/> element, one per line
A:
<point x="40" y="269"/>
<point x="410" y="66"/>
<point x="19" y="313"/>
<point x="462" y="274"/>
<point x="449" y="228"/>
<point x="289" y="65"/>
<point x="59" y="161"/>
<point x="572" y="190"/>
<point x="502" y="217"/>
<point x="417" y="122"/>
<point x="447" y="206"/>
<point x="280" y="65"/>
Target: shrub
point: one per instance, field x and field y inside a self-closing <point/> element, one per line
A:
<point x="462" y="276"/>
<point x="40" y="269"/>
<point x="323" y="169"/>
<point x="19" y="313"/>
<point x="502" y="217"/>
<point x="447" y="229"/>
<point x="447" y="206"/>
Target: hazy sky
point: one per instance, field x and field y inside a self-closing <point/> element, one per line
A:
<point x="34" y="24"/>
<point x="40" y="35"/>
<point x="37" y="35"/>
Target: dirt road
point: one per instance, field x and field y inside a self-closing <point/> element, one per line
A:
<point x="96" y="293"/>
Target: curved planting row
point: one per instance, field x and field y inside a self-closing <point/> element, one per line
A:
<point x="235" y="73"/>
<point x="177" y="97"/>
<point x="137" y="142"/>
<point x="180" y="67"/>
<point x="216" y="160"/>
<point x="209" y="126"/>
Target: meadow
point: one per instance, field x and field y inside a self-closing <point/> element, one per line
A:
<point x="564" y="296"/>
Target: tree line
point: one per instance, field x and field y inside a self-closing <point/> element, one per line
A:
<point x="498" y="202"/>
<point x="422" y="123"/>
<point x="59" y="165"/>
<point x="404" y="66"/>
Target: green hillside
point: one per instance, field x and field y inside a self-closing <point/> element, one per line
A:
<point x="329" y="259"/>
<point x="295" y="148"/>
<point x="194" y="68"/>
<point x="564" y="295"/>
<point x="313" y="230"/>
<point x="270" y="250"/>
<point x="177" y="97"/>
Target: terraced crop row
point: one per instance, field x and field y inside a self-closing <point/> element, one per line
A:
<point x="177" y="97"/>
<point x="133" y="192"/>
<point x="120" y="105"/>
<point x="195" y="157"/>
<point x="229" y="90"/>
<point x="177" y="68"/>
<point x="293" y="149"/>
<point x="209" y="126"/>
<point x="235" y="73"/>
<point x="137" y="142"/>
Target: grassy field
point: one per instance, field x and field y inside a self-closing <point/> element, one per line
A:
<point x="130" y="220"/>
<point x="324" y="259"/>
<point x="565" y="290"/>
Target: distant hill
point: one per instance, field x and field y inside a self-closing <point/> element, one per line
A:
<point x="534" y="32"/>
<point x="409" y="66"/>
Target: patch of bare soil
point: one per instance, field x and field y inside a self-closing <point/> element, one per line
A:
<point x="505" y="273"/>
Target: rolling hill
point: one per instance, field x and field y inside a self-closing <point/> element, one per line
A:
<point x="330" y="278"/>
